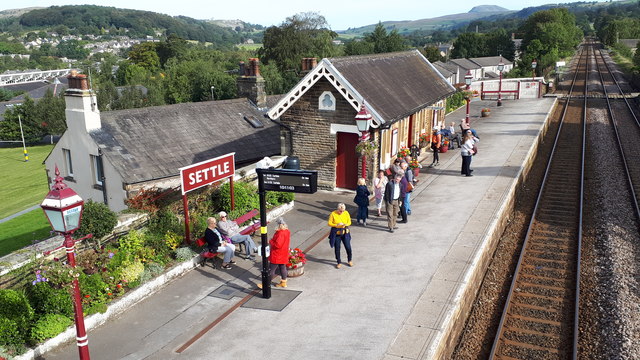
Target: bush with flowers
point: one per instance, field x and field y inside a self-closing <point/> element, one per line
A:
<point x="414" y="164"/>
<point x="485" y="110"/>
<point x="296" y="258"/>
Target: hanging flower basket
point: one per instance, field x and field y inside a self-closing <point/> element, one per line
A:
<point x="403" y="152"/>
<point x="366" y="148"/>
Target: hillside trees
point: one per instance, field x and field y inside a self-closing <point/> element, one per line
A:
<point x="299" y="36"/>
<point x="469" y="45"/>
<point x="376" y="42"/>
<point x="38" y="119"/>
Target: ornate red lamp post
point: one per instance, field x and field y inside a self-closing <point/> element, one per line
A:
<point x="63" y="208"/>
<point x="534" y="64"/>
<point x="363" y="122"/>
<point x="467" y="80"/>
<point x="500" y="69"/>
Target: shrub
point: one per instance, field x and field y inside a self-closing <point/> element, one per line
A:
<point x="98" y="307"/>
<point x="97" y="219"/>
<point x="161" y="253"/>
<point x="172" y="240"/>
<point x="286" y="197"/>
<point x="131" y="272"/>
<point x="93" y="289"/>
<point x="9" y="334"/>
<point x="15" y="307"/>
<point x="184" y="254"/>
<point x="44" y="299"/>
<point x="245" y="195"/>
<point x="49" y="326"/>
<point x="151" y="270"/>
<point x="164" y="220"/>
<point x="131" y="243"/>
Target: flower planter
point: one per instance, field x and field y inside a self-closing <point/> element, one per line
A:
<point x="485" y="113"/>
<point x="296" y="271"/>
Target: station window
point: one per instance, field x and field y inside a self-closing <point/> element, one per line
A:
<point x="96" y="167"/>
<point x="327" y="101"/>
<point x="68" y="164"/>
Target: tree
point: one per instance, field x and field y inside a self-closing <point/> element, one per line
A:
<point x="636" y="56"/>
<point x="50" y="112"/>
<point x="173" y="47"/>
<point x="25" y="113"/>
<point x="72" y="49"/>
<point x="469" y="45"/>
<point x="432" y="53"/>
<point x="498" y="42"/>
<point x="145" y="56"/>
<point x="301" y="35"/>
<point x="384" y="42"/>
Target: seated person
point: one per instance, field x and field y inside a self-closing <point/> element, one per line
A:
<point x="215" y="243"/>
<point x="231" y="230"/>
<point x="453" y="136"/>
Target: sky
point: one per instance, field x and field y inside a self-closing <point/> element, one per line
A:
<point x="340" y="14"/>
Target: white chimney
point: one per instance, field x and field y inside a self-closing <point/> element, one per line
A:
<point x="81" y="107"/>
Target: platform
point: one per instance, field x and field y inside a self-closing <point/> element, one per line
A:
<point x="402" y="298"/>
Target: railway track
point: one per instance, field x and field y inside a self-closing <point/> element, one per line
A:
<point x="539" y="320"/>
<point x="626" y="127"/>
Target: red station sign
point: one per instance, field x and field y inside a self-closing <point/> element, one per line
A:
<point x="206" y="172"/>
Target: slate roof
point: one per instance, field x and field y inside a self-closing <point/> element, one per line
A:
<point x="396" y="84"/>
<point x="154" y="142"/>
<point x="465" y="64"/>
<point x="490" y="61"/>
<point x="442" y="70"/>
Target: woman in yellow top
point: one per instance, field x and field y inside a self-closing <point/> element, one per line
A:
<point x="340" y="220"/>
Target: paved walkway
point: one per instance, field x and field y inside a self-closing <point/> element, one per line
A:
<point x="396" y="302"/>
<point x="19" y="213"/>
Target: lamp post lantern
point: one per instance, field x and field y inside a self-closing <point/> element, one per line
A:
<point x="63" y="208"/>
<point x="363" y="122"/>
<point x="534" y="64"/>
<point x="212" y="87"/>
<point x="500" y="69"/>
<point x="467" y="80"/>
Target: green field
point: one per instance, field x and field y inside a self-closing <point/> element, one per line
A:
<point x="249" y="47"/>
<point x="22" y="184"/>
<point x="23" y="231"/>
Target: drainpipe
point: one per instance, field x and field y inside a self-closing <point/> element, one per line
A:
<point x="104" y="181"/>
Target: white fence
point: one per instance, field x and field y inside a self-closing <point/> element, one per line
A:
<point x="33" y="76"/>
<point x="524" y="88"/>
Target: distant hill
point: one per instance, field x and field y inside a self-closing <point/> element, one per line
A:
<point x="91" y="19"/>
<point x="16" y="12"/>
<point x="446" y="21"/>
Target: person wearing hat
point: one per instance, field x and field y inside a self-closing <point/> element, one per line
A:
<point x="231" y="230"/>
<point x="279" y="257"/>
<point x="436" y="140"/>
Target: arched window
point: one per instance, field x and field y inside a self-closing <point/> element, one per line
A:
<point x="327" y="101"/>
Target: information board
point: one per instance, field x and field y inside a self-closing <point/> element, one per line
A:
<point x="299" y="181"/>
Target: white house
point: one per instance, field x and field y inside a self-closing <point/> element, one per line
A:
<point x="108" y="157"/>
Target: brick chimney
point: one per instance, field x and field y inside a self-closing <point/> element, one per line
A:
<point x="251" y="84"/>
<point x="308" y="64"/>
<point x="81" y="108"/>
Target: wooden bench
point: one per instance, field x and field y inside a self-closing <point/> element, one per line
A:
<point x="248" y="230"/>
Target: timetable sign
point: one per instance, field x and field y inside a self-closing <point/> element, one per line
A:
<point x="299" y="181"/>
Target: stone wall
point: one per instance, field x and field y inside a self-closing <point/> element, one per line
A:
<point x="312" y="141"/>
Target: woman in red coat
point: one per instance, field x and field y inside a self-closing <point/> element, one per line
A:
<point x="279" y="257"/>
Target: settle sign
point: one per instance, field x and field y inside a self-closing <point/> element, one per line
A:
<point x="299" y="181"/>
<point x="206" y="172"/>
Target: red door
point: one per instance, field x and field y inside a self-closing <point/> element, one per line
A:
<point x="346" y="161"/>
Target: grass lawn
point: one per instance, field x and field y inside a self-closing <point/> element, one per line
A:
<point x="23" y="231"/>
<point x="22" y="184"/>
